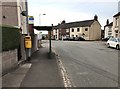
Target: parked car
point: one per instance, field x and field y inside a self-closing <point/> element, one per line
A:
<point x="65" y="38"/>
<point x="107" y="38"/>
<point x="72" y="38"/>
<point x="76" y="39"/>
<point x="79" y="39"/>
<point x="113" y="42"/>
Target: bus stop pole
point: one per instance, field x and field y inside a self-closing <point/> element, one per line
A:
<point x="50" y="51"/>
<point x="50" y="42"/>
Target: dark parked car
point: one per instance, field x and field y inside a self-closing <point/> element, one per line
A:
<point x="72" y="38"/>
<point x="65" y="38"/>
<point x="107" y="38"/>
<point x="79" y="39"/>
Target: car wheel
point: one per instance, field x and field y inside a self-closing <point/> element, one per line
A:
<point x="108" y="45"/>
<point x="117" y="46"/>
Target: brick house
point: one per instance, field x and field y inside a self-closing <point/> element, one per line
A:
<point x="116" y="25"/>
<point x="108" y="29"/>
<point x="89" y="29"/>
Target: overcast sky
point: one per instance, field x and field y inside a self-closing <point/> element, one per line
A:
<point x="71" y="10"/>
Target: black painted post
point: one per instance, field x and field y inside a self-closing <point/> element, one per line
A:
<point x="50" y="41"/>
<point x="50" y="51"/>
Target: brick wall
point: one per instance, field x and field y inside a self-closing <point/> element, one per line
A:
<point x="9" y="61"/>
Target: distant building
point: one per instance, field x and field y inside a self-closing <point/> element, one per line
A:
<point x="108" y="29"/>
<point x="88" y="29"/>
<point x="116" y="25"/>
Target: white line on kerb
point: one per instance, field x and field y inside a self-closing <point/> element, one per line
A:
<point x="66" y="79"/>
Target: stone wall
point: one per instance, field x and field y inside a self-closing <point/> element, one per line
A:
<point x="9" y="60"/>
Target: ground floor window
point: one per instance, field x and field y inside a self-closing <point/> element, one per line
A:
<point x="116" y="35"/>
<point x="86" y="29"/>
<point x="72" y="35"/>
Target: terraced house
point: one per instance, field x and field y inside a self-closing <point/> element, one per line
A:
<point x="108" y="29"/>
<point x="116" y="25"/>
<point x="88" y="29"/>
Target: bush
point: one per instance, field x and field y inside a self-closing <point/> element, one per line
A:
<point x="10" y="38"/>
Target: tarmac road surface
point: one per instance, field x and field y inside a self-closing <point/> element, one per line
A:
<point x="88" y="63"/>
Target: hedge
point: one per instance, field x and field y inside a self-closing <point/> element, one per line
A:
<point x="10" y="38"/>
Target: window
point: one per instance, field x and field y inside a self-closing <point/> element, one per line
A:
<point x="111" y="39"/>
<point x="72" y="35"/>
<point x="76" y="35"/>
<point x="110" y="29"/>
<point x="119" y="39"/>
<point x="116" y="21"/>
<point x="72" y="30"/>
<point x="115" y="40"/>
<point x="116" y="31"/>
<point x="116" y="35"/>
<point x="86" y="29"/>
<point x="67" y="30"/>
<point x="109" y="34"/>
<point x="78" y="29"/>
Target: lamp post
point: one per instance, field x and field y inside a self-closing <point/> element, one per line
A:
<point x="40" y="18"/>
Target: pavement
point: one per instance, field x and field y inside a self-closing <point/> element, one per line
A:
<point x="41" y="71"/>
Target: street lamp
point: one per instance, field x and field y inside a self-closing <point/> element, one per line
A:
<point x="40" y="18"/>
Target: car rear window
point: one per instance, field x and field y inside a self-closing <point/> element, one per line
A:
<point x="118" y="39"/>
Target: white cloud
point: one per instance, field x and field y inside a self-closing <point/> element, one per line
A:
<point x="58" y="10"/>
<point x="55" y="15"/>
<point x="72" y="1"/>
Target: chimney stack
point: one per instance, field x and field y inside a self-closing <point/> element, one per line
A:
<point x="63" y="22"/>
<point x="107" y="22"/>
<point x="96" y="18"/>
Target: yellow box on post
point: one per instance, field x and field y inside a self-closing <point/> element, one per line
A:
<point x="28" y="43"/>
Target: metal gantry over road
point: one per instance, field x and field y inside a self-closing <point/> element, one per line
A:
<point x="49" y="29"/>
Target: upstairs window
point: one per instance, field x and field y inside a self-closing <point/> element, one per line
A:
<point x="116" y="22"/>
<point x="67" y="30"/>
<point x="72" y="30"/>
<point x="86" y="29"/>
<point x="78" y="29"/>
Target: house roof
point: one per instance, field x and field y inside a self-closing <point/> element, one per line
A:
<point x="46" y="28"/>
<point x="111" y="24"/>
<point x="118" y="14"/>
<point x="75" y="24"/>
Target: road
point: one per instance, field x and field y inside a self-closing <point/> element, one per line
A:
<point x="88" y="63"/>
